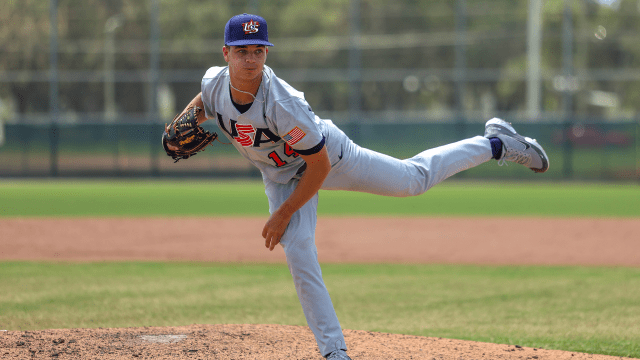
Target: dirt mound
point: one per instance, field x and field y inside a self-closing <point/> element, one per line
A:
<point x="250" y="342"/>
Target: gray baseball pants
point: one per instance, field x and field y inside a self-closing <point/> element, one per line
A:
<point x="358" y="169"/>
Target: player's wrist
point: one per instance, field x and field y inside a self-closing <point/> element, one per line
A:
<point x="286" y="210"/>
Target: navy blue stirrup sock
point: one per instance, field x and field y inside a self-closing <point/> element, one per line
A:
<point x="496" y="148"/>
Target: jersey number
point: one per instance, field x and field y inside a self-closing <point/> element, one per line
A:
<point x="287" y="151"/>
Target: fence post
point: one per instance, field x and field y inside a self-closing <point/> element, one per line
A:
<point x="567" y="96"/>
<point x="567" y="149"/>
<point x="637" y="140"/>
<point x="460" y="52"/>
<point x="53" y="88"/>
<point x="460" y="60"/>
<point x="53" y="148"/>
<point x="154" y="70"/>
<point x="355" y="69"/>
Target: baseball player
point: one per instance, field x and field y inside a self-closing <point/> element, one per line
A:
<point x="270" y="123"/>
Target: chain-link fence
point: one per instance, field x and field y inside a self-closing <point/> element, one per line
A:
<point x="578" y="150"/>
<point x="86" y="85"/>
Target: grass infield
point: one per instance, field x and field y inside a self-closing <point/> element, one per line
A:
<point x="592" y="310"/>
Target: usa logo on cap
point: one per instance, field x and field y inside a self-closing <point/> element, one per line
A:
<point x="250" y="27"/>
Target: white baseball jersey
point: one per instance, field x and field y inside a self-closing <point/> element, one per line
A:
<point x="278" y="126"/>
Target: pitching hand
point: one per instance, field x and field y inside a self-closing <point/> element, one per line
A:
<point x="274" y="229"/>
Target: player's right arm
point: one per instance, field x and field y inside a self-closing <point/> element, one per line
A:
<point x="318" y="168"/>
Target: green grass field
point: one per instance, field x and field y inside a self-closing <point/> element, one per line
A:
<point x="586" y="309"/>
<point x="217" y="198"/>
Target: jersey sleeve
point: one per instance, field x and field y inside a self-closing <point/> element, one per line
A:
<point x="297" y="126"/>
<point x="207" y="86"/>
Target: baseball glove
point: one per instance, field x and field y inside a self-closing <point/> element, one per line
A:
<point x="184" y="138"/>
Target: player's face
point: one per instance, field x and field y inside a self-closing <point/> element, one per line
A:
<point x="245" y="61"/>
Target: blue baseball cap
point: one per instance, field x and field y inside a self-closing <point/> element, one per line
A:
<point x="246" y="29"/>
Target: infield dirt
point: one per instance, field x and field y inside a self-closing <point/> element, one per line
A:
<point x="605" y="242"/>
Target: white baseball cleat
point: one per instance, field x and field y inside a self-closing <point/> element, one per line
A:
<point x="517" y="148"/>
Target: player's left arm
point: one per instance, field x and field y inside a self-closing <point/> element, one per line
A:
<point x="196" y="102"/>
<point x="318" y="167"/>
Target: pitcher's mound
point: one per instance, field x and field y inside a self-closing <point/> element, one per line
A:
<point x="249" y="342"/>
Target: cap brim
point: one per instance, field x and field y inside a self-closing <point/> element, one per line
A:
<point x="249" y="42"/>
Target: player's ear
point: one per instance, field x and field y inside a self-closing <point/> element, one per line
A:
<point x="225" y="53"/>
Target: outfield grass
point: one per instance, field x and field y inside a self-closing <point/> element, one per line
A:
<point x="217" y="198"/>
<point x="593" y="310"/>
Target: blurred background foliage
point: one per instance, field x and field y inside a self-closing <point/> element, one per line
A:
<point x="407" y="54"/>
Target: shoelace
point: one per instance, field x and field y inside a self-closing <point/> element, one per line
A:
<point x="516" y="156"/>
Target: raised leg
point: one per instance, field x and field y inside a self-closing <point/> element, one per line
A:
<point x="372" y="172"/>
